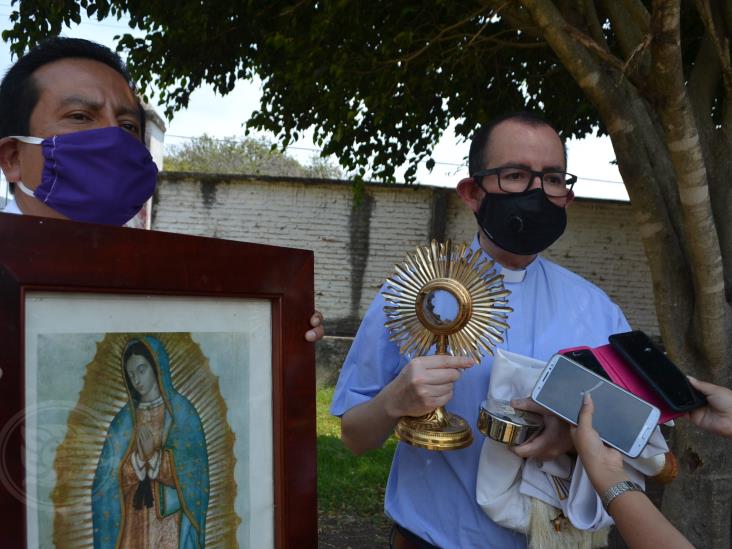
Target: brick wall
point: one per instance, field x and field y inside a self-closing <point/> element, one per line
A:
<point x="356" y="246"/>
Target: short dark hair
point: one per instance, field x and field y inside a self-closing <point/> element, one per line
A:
<point x="19" y="92"/>
<point x="481" y="138"/>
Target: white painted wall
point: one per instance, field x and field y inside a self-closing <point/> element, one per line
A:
<point x="355" y="250"/>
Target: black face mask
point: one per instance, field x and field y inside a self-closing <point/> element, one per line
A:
<point x="521" y="223"/>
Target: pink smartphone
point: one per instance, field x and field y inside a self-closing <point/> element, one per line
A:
<point x="620" y="373"/>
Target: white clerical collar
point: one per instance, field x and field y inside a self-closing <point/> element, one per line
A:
<point x="12" y="208"/>
<point x="150" y="405"/>
<point x="513" y="276"/>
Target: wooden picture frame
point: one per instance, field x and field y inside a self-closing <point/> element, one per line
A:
<point x="65" y="277"/>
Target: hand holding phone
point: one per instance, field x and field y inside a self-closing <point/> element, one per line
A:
<point x="622" y="420"/>
<point x="716" y="416"/>
<point x="603" y="465"/>
<point x="657" y="370"/>
<point x="554" y="439"/>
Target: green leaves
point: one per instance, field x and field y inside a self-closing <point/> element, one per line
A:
<point x="404" y="39"/>
<point x="376" y="81"/>
<point x="243" y="156"/>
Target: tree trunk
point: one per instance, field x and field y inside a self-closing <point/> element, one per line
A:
<point x="664" y="165"/>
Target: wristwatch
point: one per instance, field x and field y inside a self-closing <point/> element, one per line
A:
<point x="619" y="488"/>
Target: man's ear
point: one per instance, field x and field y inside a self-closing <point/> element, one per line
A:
<point x="10" y="159"/>
<point x="570" y="198"/>
<point x="470" y="193"/>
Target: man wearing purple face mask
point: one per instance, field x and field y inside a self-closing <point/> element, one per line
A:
<point x="71" y="138"/>
<point x="71" y="133"/>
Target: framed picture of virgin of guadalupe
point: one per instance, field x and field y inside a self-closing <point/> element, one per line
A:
<point x="156" y="390"/>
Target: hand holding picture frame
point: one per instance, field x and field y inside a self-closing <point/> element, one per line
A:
<point x="159" y="374"/>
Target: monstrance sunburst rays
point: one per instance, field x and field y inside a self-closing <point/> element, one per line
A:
<point x="473" y="281"/>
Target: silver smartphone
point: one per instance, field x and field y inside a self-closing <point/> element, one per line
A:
<point x="622" y="420"/>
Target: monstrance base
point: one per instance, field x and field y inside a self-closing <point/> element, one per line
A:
<point x="451" y="432"/>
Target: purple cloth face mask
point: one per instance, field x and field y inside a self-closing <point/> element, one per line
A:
<point x="101" y="176"/>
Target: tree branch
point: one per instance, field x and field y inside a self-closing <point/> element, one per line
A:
<point x="593" y="23"/>
<point x="720" y="41"/>
<point x="440" y="35"/>
<point x="514" y="16"/>
<point x="624" y="69"/>
<point x="727" y="17"/>
<point x="682" y="140"/>
<point x="578" y="52"/>
<point x="703" y="89"/>
<point x="507" y="44"/>
<point x="632" y="35"/>
<point x="726" y="20"/>
<point x="625" y="28"/>
<point x="637" y="10"/>
<point x="648" y="170"/>
<point x="703" y="83"/>
<point x="494" y="40"/>
<point x="590" y="44"/>
<point x="643" y="160"/>
<point x="477" y="34"/>
<point x="639" y="57"/>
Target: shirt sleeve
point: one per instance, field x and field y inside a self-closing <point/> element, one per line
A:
<point x="618" y="321"/>
<point x="371" y="364"/>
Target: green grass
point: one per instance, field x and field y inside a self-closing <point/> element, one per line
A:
<point x="347" y="483"/>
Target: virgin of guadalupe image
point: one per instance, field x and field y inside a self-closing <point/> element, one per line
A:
<point x="151" y="484"/>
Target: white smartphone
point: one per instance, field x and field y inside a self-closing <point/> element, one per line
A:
<point x="622" y="420"/>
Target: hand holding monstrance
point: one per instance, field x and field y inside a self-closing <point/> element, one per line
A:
<point x="444" y="296"/>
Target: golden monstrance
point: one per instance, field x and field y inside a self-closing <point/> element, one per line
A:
<point x="446" y="296"/>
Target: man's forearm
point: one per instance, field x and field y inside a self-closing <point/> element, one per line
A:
<point x="420" y="387"/>
<point x="366" y="426"/>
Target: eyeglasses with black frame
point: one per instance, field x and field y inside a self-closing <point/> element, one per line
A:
<point x="515" y="179"/>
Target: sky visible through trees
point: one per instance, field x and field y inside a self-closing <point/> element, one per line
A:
<point x="221" y="117"/>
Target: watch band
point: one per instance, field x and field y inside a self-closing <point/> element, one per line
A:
<point x="619" y="488"/>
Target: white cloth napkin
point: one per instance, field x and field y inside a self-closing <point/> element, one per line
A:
<point x="506" y="482"/>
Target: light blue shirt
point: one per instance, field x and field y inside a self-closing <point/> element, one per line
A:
<point x="432" y="494"/>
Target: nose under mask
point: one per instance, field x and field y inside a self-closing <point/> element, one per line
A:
<point x="101" y="176"/>
<point x="521" y="223"/>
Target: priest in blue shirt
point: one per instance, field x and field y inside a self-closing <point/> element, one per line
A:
<point x="518" y="190"/>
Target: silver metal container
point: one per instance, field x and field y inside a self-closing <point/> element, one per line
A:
<point x="500" y="421"/>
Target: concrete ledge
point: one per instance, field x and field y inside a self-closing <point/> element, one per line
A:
<point x="330" y="352"/>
